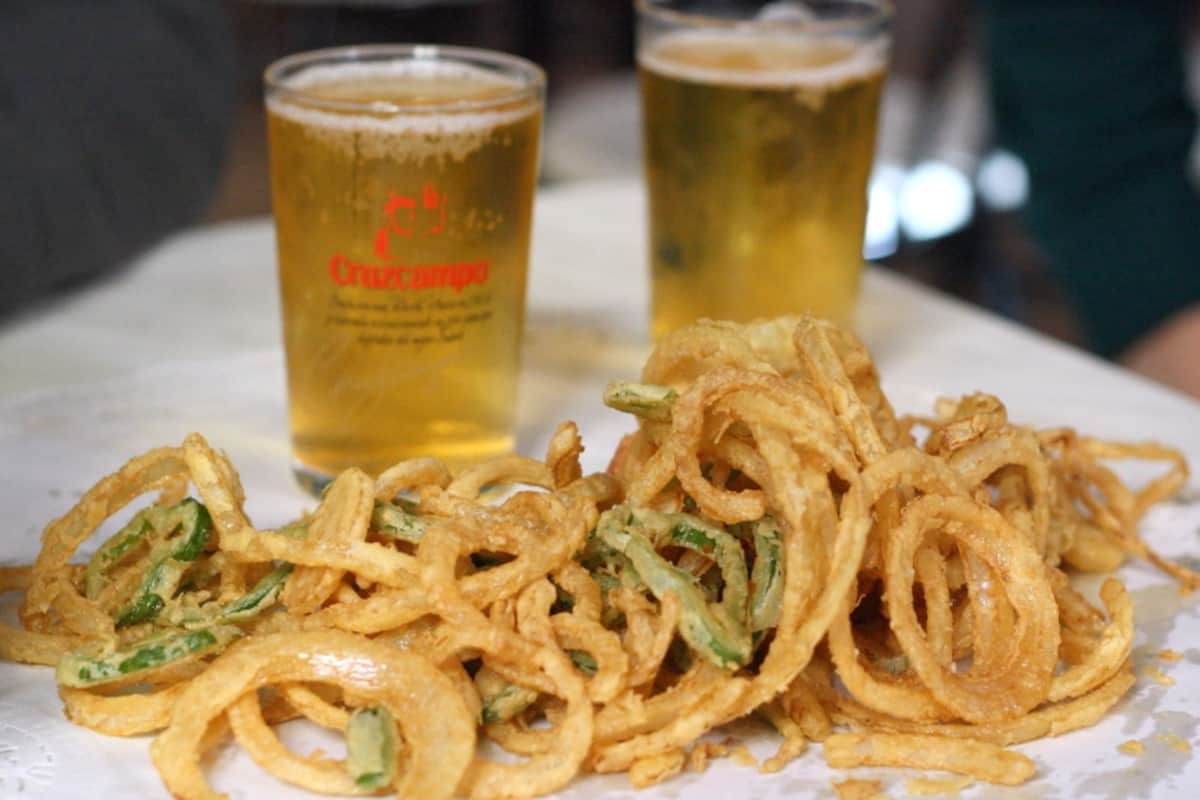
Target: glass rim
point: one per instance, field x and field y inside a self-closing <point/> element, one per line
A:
<point x="877" y="21"/>
<point x="531" y="77"/>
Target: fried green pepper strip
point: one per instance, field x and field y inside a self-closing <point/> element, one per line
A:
<point x="149" y="602"/>
<point x="766" y="578"/>
<point x="372" y="748"/>
<point x="81" y="669"/>
<point x="646" y="400"/>
<point x="170" y="560"/>
<point x="112" y="551"/>
<point x="501" y="700"/>
<point x="396" y="522"/>
<point x="261" y="596"/>
<point x="893" y="665"/>
<point x="610" y="616"/>
<point x="710" y="541"/>
<point x="596" y="555"/>
<point x="610" y="570"/>
<point x="712" y="631"/>
<point x="584" y="661"/>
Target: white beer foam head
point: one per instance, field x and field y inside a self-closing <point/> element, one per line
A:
<point x="779" y="59"/>
<point x="435" y="128"/>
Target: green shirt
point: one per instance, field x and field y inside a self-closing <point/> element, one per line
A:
<point x="1092" y="95"/>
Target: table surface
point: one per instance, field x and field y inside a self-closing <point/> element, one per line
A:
<point x="187" y="338"/>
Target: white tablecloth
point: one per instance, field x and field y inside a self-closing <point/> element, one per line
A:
<point x="188" y="339"/>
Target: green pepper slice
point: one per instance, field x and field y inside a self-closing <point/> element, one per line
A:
<point x="264" y="594"/>
<point x="584" y="661"/>
<point x="718" y="632"/>
<point x="170" y="560"/>
<point x="766" y="578"/>
<point x="372" y="748"/>
<point x="709" y="540"/>
<point x="82" y="668"/>
<point x="501" y="700"/>
<point x="397" y="522"/>
<point x="646" y="400"/>
<point x="112" y="551"/>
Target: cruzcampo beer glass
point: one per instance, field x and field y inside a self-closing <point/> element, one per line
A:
<point x="759" y="130"/>
<point x="402" y="179"/>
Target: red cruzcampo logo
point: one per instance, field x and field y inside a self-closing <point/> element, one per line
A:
<point x="398" y="277"/>
<point x="401" y="213"/>
<point x="408" y="218"/>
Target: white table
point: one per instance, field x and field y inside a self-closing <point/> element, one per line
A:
<point x="188" y="338"/>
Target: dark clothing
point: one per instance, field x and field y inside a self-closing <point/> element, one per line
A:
<point x="114" y="118"/>
<point x="1092" y="94"/>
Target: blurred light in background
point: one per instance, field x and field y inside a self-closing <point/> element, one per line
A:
<point x="1002" y="181"/>
<point x="935" y="200"/>
<point x="883" y="212"/>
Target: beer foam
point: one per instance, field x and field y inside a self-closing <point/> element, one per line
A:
<point x="776" y="61"/>
<point x="431" y="125"/>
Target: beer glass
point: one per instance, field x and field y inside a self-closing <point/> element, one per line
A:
<point x="402" y="180"/>
<point x="759" y="131"/>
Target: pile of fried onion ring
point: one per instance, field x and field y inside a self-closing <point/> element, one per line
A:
<point x="773" y="540"/>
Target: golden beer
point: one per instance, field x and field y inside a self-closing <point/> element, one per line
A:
<point x="757" y="154"/>
<point x="403" y="190"/>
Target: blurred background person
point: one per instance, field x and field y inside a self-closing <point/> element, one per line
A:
<point x="114" y="124"/>
<point x="1093" y="95"/>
